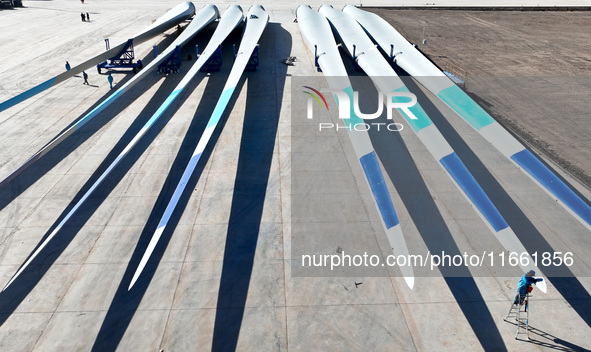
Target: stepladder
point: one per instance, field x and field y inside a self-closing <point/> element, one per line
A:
<point x="520" y="307"/>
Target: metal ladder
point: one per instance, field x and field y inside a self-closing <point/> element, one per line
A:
<point x="520" y="310"/>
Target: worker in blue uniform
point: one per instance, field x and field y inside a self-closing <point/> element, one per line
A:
<point x="524" y="286"/>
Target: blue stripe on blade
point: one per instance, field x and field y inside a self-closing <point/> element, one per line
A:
<point x="178" y="192"/>
<point x="372" y="170"/>
<point x="551" y="182"/>
<point x="472" y="189"/>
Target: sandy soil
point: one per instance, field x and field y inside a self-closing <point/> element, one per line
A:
<point x="530" y="69"/>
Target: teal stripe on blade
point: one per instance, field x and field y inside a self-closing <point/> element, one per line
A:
<point x="467" y="108"/>
<point x="422" y="119"/>
<point x="220" y="107"/>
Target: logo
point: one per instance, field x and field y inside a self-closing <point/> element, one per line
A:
<point x="310" y="111"/>
<point x="348" y="103"/>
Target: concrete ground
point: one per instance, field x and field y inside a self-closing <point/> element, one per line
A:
<point x="221" y="277"/>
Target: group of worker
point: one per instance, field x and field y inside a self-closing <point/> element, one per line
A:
<point x="85" y="17"/>
<point x="85" y="76"/>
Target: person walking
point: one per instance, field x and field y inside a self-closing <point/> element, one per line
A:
<point x="67" y="66"/>
<point x="110" y="79"/>
<point x="85" y="76"/>
<point x="524" y="286"/>
<point x="83" y="17"/>
<point x="87" y="17"/>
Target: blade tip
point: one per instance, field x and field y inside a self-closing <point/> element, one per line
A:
<point x="132" y="282"/>
<point x="410" y="281"/>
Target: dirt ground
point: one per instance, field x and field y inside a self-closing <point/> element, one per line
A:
<point x="530" y="69"/>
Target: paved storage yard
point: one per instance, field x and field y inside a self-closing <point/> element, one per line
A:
<point x="221" y="277"/>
